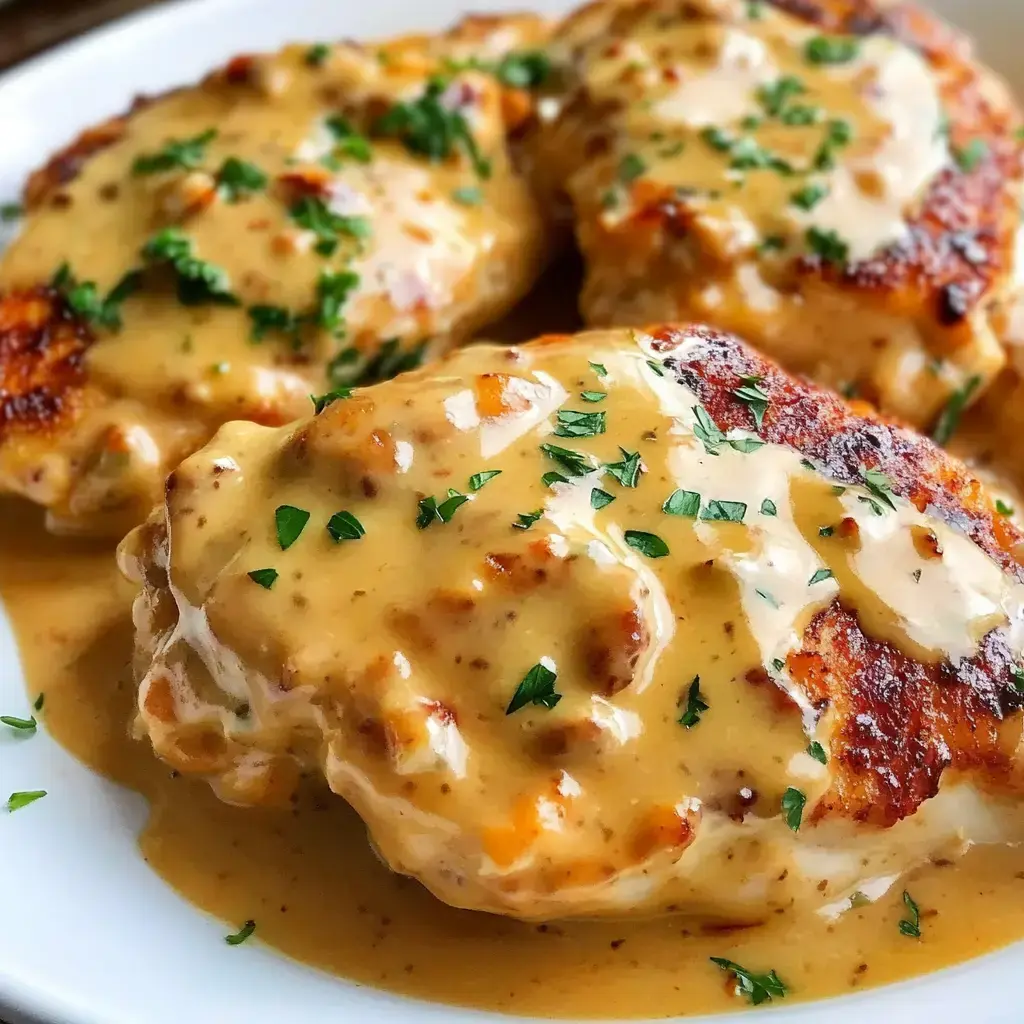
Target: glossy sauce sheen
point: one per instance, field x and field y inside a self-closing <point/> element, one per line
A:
<point x="308" y="878"/>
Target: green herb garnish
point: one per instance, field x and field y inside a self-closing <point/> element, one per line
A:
<point x="911" y="925"/>
<point x="316" y="56"/>
<point x="186" y="154"/>
<point x="579" y="424"/>
<point x="754" y="397"/>
<point x="970" y="156"/>
<point x="83" y="298"/>
<point x="320" y="402"/>
<point x="266" y="578"/>
<point x="525" y="520"/>
<point x="477" y="480"/>
<point x="593" y="396"/>
<point x="627" y="471"/>
<point x="241" y="935"/>
<point x="769" y="508"/>
<point x="949" y="418"/>
<point x="881" y="488"/>
<point x="819" y="576"/>
<point x="574" y="463"/>
<point x="468" y="195"/>
<point x="631" y="167"/>
<point x="827" y="244"/>
<point x="198" y="281"/>
<point x="696" y="705"/>
<point x="831" y="49"/>
<point x="20" y="724"/>
<point x="433" y="511"/>
<point x="313" y="214"/>
<point x="345" y="526"/>
<point x="599" y="498"/>
<point x="649" y="544"/>
<point x="817" y="751"/>
<point x="758" y="988"/>
<point x="537" y="687"/>
<point x="289" y="522"/>
<point x="16" y="801"/>
<point x="717" y="511"/>
<point x="808" y="197"/>
<point x="239" y="178"/>
<point x="682" y="503"/>
<point x="793" y="802"/>
<point x="525" y="69"/>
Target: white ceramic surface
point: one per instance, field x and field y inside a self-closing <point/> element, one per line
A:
<point x="88" y="934"/>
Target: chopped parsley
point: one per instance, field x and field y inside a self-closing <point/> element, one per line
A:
<point x="599" y="369"/>
<point x="817" y="751"/>
<point x="970" y="156"/>
<point x="808" y="197"/>
<point x="429" y="127"/>
<point x="83" y="298"/>
<point x="819" y="576"/>
<point x="627" y="471"/>
<point x="316" y="56"/>
<point x="345" y="526"/>
<point x="289" y="523"/>
<point x="553" y="478"/>
<point x="775" y="95"/>
<point x="239" y="178"/>
<point x="599" y="498"/>
<point x="827" y="244"/>
<point x="199" y="282"/>
<point x="911" y="925"/>
<point x="348" y="143"/>
<point x="649" y="544"/>
<point x="186" y="154"/>
<point x="468" y="195"/>
<point x="769" y="508"/>
<point x="579" y="424"/>
<point x="332" y="292"/>
<point x="696" y="705"/>
<point x="717" y="511"/>
<point x="574" y="463"/>
<point x="477" y="480"/>
<point x="838" y="134"/>
<point x="800" y="115"/>
<point x="708" y="433"/>
<point x="631" y="167"/>
<point x="274" y="318"/>
<point x="768" y="597"/>
<point x="10" y="212"/>
<point x="826" y="531"/>
<point x="241" y="935"/>
<point x="949" y="418"/>
<point x="16" y="801"/>
<point x="320" y="402"/>
<point x="537" y="687"/>
<point x="388" y="361"/>
<point x="793" y="802"/>
<point x="20" y="724"/>
<point x="38" y="705"/>
<point x="758" y="988"/>
<point x="524" y="69"/>
<point x="880" y="487"/>
<point x="593" y="396"/>
<point x="313" y="214"/>
<point x="682" y="503"/>
<point x="1002" y="508"/>
<point x="831" y="49"/>
<point x="266" y="578"/>
<point x="433" y="511"/>
<point x="656" y="368"/>
<point x="524" y="520"/>
<point x="754" y="397"/>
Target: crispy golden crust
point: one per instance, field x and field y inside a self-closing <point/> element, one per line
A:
<point x="42" y="345"/>
<point x="898" y="723"/>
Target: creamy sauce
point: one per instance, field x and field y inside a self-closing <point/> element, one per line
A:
<point x="707" y="151"/>
<point x="422" y="253"/>
<point x="308" y="879"/>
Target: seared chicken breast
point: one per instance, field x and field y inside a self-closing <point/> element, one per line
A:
<point x="836" y="180"/>
<point x="606" y="624"/>
<point x="297" y="221"/>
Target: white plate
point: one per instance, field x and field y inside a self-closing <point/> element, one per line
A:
<point x="88" y="934"/>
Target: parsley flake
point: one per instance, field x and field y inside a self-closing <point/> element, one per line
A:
<point x="316" y="56"/>
<point x="431" y="510"/>
<point x="600" y="498"/>
<point x="1002" y="508"/>
<point x="313" y="214"/>
<point x="817" y="751"/>
<point x="477" y="480"/>
<point x="241" y="935"/>
<point x="769" y="508"/>
<point x="949" y="418"/>
<point x="593" y="396"/>
<point x="755" y="398"/>
<point x="430" y="127"/>
<point x="266" y="578"/>
<point x="649" y="544"/>
<point x="599" y="369"/>
<point x="631" y="167"/>
<point x="970" y="156"/>
<point x="827" y="244"/>
<point x="808" y="197"/>
<point x="198" y="281"/>
<point x="239" y="178"/>
<point x="524" y="69"/>
<point x="831" y="49"/>
<point x="38" y="705"/>
<point x="880" y="486"/>
<point x="682" y="503"/>
<point x="320" y="402"/>
<point x="571" y="423"/>
<point x="758" y="988"/>
<point x="696" y="705"/>
<point x="289" y="523"/>
<point x="468" y="195"/>
<point x="911" y="925"/>
<point x="574" y="463"/>
<point x="83" y="298"/>
<point x="627" y="471"/>
<point x="537" y="687"/>
<point x="20" y="724"/>
<point x="819" y="576"/>
<point x="793" y="802"/>
<point x="345" y="526"/>
<point x="186" y="154"/>
<point x="16" y="801"/>
<point x="718" y="511"/>
<point x="526" y="519"/>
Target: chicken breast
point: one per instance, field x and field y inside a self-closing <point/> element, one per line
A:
<point x="836" y="180"/>
<point x="607" y="624"/>
<point x="297" y="221"/>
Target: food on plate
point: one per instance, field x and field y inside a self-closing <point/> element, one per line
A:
<point x="837" y="182"/>
<point x="298" y="221"/>
<point x="608" y="624"/>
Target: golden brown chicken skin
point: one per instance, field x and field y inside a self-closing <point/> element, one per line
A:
<point x="297" y="221"/>
<point x="837" y="181"/>
<point x="613" y="623"/>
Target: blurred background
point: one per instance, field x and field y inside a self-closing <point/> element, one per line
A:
<point x="28" y="26"/>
